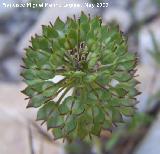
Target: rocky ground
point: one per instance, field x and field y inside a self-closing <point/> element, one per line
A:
<point x="16" y="122"/>
<point x="16" y="28"/>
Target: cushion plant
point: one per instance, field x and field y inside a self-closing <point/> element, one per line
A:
<point x="97" y="70"/>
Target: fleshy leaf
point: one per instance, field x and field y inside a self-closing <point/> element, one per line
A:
<point x="46" y="110"/>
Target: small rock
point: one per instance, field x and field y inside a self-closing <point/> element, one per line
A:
<point x="12" y="68"/>
<point x="119" y="15"/>
<point x="148" y="87"/>
<point x="116" y="3"/>
<point x="4" y="11"/>
<point x="21" y="21"/>
<point x="5" y="41"/>
<point x="145" y="41"/>
<point x="144" y="8"/>
<point x="150" y="144"/>
<point x="1" y="73"/>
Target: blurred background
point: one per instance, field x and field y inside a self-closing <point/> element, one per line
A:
<point x="139" y="20"/>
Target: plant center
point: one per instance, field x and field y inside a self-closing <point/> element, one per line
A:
<point x="79" y="56"/>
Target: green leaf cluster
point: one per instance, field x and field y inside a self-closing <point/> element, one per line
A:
<point x="97" y="68"/>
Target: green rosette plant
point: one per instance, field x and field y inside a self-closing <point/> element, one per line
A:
<point x="97" y="89"/>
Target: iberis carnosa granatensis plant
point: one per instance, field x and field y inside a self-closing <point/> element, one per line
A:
<point x="97" y="87"/>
